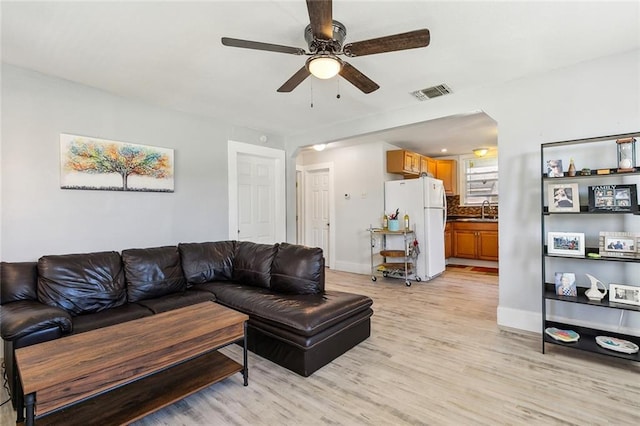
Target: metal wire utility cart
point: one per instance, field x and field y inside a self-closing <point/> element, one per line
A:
<point x="398" y="250"/>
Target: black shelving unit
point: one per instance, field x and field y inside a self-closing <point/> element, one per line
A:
<point x="587" y="341"/>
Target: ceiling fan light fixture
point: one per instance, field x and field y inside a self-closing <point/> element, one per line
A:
<point x="480" y="152"/>
<point x="324" y="66"/>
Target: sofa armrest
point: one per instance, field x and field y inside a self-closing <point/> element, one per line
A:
<point x="24" y="317"/>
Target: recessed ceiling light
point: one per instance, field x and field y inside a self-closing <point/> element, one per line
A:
<point x="443" y="150"/>
<point x="320" y="146"/>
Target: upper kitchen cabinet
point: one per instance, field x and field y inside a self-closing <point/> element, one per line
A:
<point x="447" y="172"/>
<point x="403" y="162"/>
<point x="428" y="165"/>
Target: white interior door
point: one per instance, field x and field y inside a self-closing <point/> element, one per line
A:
<point x="317" y="210"/>
<point x="256" y="194"/>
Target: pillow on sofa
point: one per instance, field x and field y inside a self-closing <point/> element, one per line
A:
<point x="298" y="269"/>
<point x="252" y="263"/>
<point x="82" y="283"/>
<point x="205" y="262"/>
<point x="153" y="272"/>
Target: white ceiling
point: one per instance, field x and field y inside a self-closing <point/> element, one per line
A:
<point x="169" y="54"/>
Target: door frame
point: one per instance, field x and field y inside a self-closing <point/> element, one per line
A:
<point x="233" y="149"/>
<point x="329" y="262"/>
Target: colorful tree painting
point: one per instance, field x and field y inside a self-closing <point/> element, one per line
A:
<point x="92" y="156"/>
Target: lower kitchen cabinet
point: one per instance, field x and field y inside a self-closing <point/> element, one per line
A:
<point x="475" y="240"/>
<point x="448" y="241"/>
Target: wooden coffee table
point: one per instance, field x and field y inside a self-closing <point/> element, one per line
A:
<point x="118" y="374"/>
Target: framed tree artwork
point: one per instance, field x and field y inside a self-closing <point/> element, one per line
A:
<point x="91" y="163"/>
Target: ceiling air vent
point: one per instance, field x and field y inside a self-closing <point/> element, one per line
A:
<point x="431" y="92"/>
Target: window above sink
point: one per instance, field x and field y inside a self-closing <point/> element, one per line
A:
<point x="479" y="180"/>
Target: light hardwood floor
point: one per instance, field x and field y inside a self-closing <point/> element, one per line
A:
<point x="436" y="357"/>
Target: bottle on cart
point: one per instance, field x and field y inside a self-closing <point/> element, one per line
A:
<point x="406" y="221"/>
<point x="385" y="221"/>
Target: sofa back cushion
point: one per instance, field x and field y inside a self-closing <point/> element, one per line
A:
<point x="205" y="262"/>
<point x="252" y="263"/>
<point x="298" y="270"/>
<point x="153" y="272"/>
<point x="18" y="281"/>
<point x="82" y="283"/>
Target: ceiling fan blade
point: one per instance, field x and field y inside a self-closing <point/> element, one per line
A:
<point x="410" y="40"/>
<point x="321" y="19"/>
<point x="295" y="80"/>
<point x="246" y="44"/>
<point x="355" y="77"/>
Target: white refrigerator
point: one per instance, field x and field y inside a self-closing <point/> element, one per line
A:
<point x="425" y="201"/>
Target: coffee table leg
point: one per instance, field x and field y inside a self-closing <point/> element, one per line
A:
<point x="30" y="401"/>
<point x="245" y="370"/>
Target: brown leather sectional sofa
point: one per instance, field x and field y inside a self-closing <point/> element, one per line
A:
<point x="293" y="320"/>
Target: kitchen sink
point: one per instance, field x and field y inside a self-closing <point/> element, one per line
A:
<point x="476" y="219"/>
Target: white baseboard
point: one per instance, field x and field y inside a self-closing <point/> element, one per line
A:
<point x="532" y="321"/>
<point x="519" y="319"/>
<point x="356" y="268"/>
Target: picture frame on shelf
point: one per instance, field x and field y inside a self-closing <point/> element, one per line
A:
<point x="566" y="284"/>
<point x="613" y="198"/>
<point x="619" y="293"/>
<point x="554" y="168"/>
<point x="619" y="244"/>
<point x="563" y="197"/>
<point x="569" y="244"/>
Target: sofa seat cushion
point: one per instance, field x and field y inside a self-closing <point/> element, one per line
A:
<point x="304" y="342"/>
<point x="177" y="300"/>
<point x="204" y="262"/>
<point x="252" y="263"/>
<point x="297" y="269"/>
<point x="128" y="312"/>
<point x="153" y="272"/>
<point x="82" y="283"/>
<point x="304" y="314"/>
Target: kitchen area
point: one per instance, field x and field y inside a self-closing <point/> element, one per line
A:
<point x="471" y="230"/>
<point x="353" y="199"/>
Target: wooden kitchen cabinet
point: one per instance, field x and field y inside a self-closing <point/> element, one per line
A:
<point x="403" y="162"/>
<point x="448" y="241"/>
<point x="475" y="240"/>
<point x="428" y="166"/>
<point x="447" y="171"/>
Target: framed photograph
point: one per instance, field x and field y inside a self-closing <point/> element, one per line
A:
<point x="619" y="244"/>
<point x="613" y="198"/>
<point x="563" y="198"/>
<point x="619" y="293"/>
<point x="566" y="284"/>
<point x="554" y="168"/>
<point x="565" y="244"/>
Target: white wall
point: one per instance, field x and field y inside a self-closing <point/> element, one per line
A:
<point x="40" y="218"/>
<point x="596" y="98"/>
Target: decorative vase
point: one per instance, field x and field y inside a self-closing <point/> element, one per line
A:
<point x="394" y="225"/>
<point x="594" y="293"/>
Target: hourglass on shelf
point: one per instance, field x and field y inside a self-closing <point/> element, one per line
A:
<point x="626" y="154"/>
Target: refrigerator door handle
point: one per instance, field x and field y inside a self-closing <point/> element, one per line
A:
<point x="444" y="203"/>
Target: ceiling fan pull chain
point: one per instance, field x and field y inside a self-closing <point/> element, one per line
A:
<point x="338" y="82"/>
<point x="311" y="86"/>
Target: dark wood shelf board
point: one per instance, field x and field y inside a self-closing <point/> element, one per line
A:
<point x="140" y="398"/>
<point x="597" y="259"/>
<point x="550" y="294"/>
<point x="587" y="340"/>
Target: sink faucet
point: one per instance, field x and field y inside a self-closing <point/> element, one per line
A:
<point x="485" y="203"/>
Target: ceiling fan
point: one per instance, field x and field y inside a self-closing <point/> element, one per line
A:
<point x="325" y="39"/>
